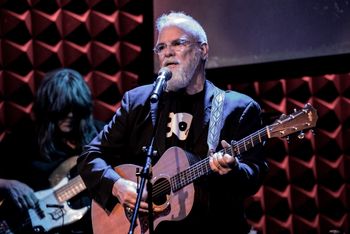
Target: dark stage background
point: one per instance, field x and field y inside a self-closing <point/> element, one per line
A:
<point x="110" y="43"/>
<point x="250" y="32"/>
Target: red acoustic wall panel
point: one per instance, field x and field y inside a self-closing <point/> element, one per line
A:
<point x="100" y="39"/>
<point x="307" y="189"/>
<point x="110" y="41"/>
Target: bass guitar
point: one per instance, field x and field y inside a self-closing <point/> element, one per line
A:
<point x="173" y="176"/>
<point x="52" y="210"/>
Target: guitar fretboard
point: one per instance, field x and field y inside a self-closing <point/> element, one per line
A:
<point x="202" y="167"/>
<point x="69" y="190"/>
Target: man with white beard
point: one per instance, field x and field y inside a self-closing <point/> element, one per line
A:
<point x="199" y="182"/>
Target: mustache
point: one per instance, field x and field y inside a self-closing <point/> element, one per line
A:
<point x="170" y="62"/>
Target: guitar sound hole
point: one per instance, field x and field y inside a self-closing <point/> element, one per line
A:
<point x="161" y="188"/>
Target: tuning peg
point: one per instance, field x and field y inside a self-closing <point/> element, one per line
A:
<point x="282" y="117"/>
<point x="301" y="135"/>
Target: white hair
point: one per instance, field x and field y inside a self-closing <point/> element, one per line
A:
<point x="183" y="21"/>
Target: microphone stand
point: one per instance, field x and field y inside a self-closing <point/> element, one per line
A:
<point x="146" y="175"/>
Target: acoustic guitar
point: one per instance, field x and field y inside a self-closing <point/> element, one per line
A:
<point x="173" y="177"/>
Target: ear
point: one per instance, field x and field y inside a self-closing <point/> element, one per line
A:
<point x="204" y="50"/>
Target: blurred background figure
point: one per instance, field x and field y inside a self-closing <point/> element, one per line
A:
<point x="44" y="149"/>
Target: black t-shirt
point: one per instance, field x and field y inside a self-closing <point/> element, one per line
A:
<point x="182" y="111"/>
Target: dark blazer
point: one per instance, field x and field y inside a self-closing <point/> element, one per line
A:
<point x="131" y="128"/>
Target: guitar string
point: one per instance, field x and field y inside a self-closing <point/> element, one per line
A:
<point x="195" y="170"/>
<point x="38" y="209"/>
<point x="77" y="185"/>
<point x="189" y="174"/>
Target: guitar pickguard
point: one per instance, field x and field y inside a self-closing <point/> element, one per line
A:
<point x="51" y="213"/>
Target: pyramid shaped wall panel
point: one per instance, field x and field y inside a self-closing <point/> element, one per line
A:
<point x="307" y="188"/>
<point x="102" y="39"/>
<point x="110" y="41"/>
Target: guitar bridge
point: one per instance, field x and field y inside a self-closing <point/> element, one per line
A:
<point x="58" y="213"/>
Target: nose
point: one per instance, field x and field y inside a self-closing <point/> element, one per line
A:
<point x="169" y="51"/>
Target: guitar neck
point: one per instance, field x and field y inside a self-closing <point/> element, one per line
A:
<point x="202" y="167"/>
<point x="69" y="190"/>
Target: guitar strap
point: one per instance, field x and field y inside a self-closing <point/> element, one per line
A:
<point x="216" y="121"/>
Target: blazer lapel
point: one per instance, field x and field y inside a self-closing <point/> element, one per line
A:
<point x="161" y="110"/>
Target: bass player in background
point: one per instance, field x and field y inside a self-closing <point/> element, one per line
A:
<point x="184" y="118"/>
<point x="63" y="123"/>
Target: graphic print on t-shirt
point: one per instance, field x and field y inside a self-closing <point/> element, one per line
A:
<point x="179" y="125"/>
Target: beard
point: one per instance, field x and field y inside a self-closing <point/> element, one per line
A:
<point x="182" y="76"/>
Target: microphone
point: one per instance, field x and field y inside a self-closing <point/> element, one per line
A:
<point x="164" y="75"/>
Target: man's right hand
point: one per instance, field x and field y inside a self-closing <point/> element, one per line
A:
<point x="126" y="192"/>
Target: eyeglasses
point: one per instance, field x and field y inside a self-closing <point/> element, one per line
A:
<point x="177" y="45"/>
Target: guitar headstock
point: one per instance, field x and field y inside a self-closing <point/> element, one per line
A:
<point x="288" y="124"/>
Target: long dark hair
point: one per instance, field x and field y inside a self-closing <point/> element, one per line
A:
<point x="63" y="91"/>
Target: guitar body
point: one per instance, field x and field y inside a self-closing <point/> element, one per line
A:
<point x="62" y="170"/>
<point x="52" y="209"/>
<point x="45" y="218"/>
<point x="175" y="205"/>
<point x="172" y="177"/>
